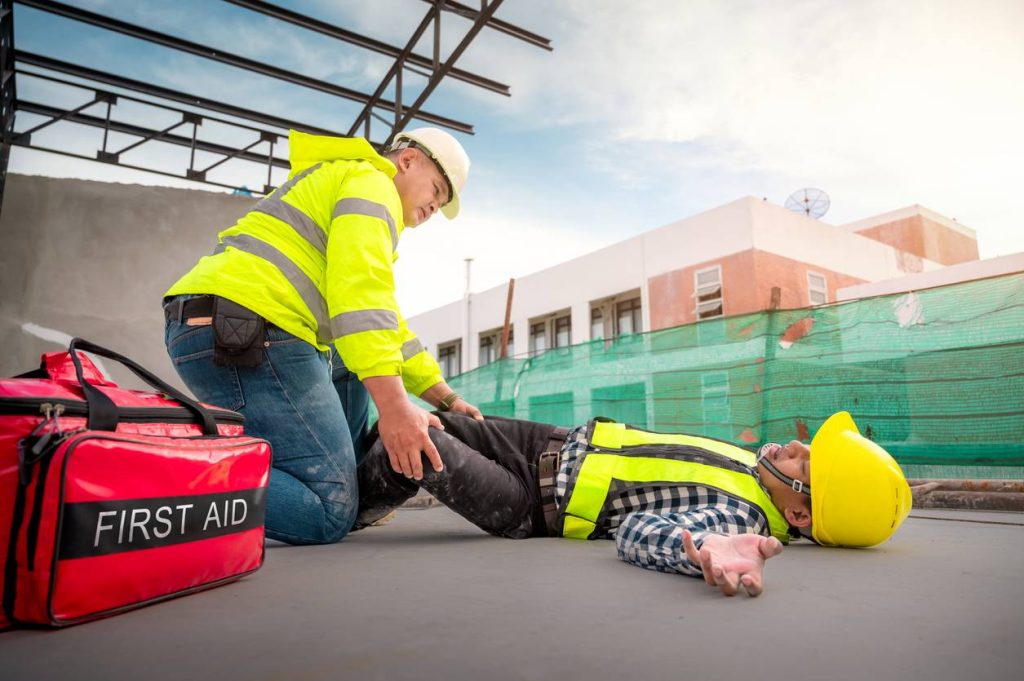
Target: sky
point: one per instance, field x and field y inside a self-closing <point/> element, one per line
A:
<point x="644" y="113"/>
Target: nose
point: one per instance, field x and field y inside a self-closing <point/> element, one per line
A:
<point x="795" y="449"/>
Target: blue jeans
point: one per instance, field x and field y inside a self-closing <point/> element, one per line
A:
<point x="311" y="409"/>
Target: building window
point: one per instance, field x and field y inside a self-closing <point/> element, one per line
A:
<point x="538" y="338"/>
<point x="550" y="331"/>
<point x="449" y="357"/>
<point x="488" y="350"/>
<point x="596" y="324"/>
<point x="490" y="345"/>
<point x="617" y="315"/>
<point x="707" y="290"/>
<point x="628" y="317"/>
<point x="563" y="331"/>
<point x="817" y="288"/>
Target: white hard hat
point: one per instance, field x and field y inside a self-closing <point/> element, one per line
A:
<point x="449" y="156"/>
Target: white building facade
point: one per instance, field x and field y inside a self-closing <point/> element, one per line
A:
<point x="721" y="262"/>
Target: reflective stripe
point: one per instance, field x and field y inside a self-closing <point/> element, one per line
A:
<point x="304" y="226"/>
<point x="287" y="186"/>
<point x="354" y="206"/>
<point x="411" y="348"/>
<point x="618" y="455"/>
<point x="363" y="320"/>
<point x="617" y="435"/>
<point x="303" y="285"/>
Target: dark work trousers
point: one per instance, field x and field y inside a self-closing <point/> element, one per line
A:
<point x="489" y="476"/>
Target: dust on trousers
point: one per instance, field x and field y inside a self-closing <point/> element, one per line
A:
<point x="489" y="476"/>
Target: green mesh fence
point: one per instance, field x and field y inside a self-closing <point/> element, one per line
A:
<point x="935" y="376"/>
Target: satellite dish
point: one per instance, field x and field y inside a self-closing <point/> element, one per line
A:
<point x="811" y="202"/>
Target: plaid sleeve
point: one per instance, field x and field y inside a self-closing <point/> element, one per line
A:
<point x="655" y="541"/>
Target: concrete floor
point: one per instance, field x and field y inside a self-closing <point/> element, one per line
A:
<point x="430" y="597"/>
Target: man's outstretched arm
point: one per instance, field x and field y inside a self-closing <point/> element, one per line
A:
<point x="722" y="545"/>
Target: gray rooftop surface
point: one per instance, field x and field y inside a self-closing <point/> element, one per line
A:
<point x="429" y="596"/>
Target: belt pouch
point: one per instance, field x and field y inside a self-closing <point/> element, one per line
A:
<point x="237" y="334"/>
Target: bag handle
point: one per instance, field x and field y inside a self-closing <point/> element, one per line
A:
<point x="103" y="414"/>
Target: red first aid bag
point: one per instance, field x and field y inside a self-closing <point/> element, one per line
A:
<point x="111" y="499"/>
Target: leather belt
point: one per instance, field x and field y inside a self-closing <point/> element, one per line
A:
<point x="547" y="471"/>
<point x="179" y="309"/>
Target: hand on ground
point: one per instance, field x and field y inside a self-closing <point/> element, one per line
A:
<point x="731" y="561"/>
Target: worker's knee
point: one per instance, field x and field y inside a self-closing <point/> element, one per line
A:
<point x="339" y="514"/>
<point x="338" y="522"/>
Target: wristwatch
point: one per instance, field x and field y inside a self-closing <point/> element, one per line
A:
<point x="448" y="401"/>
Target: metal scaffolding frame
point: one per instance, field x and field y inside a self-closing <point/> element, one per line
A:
<point x="104" y="91"/>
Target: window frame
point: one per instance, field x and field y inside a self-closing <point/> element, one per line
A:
<point x="443" y="354"/>
<point x="607" y="309"/>
<point x="486" y="342"/>
<point x="549" y="323"/>
<point x="555" y="328"/>
<point x="701" y="307"/>
<point x="811" y="289"/>
<point x="493" y="339"/>
<point x="636" y="310"/>
<point x="532" y="343"/>
<point x="600" y="319"/>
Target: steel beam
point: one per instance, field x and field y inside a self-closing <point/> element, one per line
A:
<point x="26" y="106"/>
<point x="12" y="63"/>
<point x="353" y="38"/>
<point x="481" y="20"/>
<point x="70" y="154"/>
<point x="395" y="70"/>
<point x="7" y="90"/>
<point x="223" y="57"/>
<point x="496" y="24"/>
<point x="95" y="76"/>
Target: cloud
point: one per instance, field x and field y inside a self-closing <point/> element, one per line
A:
<point x="883" y="104"/>
<point x="650" y="113"/>
<point x="431" y="268"/>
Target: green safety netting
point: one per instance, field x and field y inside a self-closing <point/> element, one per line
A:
<point x="935" y="376"/>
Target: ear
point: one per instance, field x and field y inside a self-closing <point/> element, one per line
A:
<point x="406" y="159"/>
<point x="798" y="516"/>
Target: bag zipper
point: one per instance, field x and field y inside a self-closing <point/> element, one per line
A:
<point x="24" y="405"/>
<point x="37" y="446"/>
<point x="42" y="453"/>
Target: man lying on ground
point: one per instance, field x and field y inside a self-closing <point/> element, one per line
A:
<point x="673" y="503"/>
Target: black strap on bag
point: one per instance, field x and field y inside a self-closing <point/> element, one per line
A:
<point x="103" y="413"/>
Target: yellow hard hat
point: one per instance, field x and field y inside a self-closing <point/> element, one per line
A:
<point x="859" y="495"/>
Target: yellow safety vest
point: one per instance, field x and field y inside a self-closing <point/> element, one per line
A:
<point x="619" y="457"/>
<point x="315" y="259"/>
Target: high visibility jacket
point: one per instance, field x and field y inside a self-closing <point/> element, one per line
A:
<point x="315" y="258"/>
<point x="619" y="458"/>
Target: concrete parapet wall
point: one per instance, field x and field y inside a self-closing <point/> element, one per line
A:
<point x="92" y="259"/>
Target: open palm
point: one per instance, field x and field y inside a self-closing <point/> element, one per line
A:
<point x="731" y="561"/>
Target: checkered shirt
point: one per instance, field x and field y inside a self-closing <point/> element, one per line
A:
<point x="647" y="523"/>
